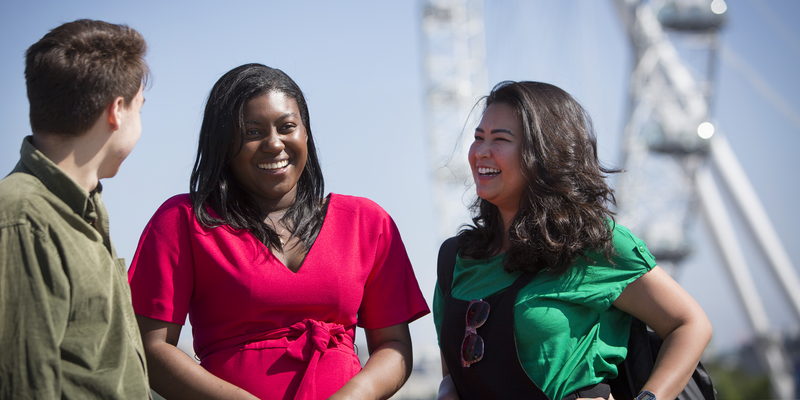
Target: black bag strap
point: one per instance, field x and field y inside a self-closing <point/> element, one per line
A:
<point x="446" y="264"/>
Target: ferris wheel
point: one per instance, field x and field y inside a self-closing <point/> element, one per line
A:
<point x="673" y="156"/>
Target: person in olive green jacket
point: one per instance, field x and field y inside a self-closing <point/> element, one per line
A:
<point x="67" y="328"/>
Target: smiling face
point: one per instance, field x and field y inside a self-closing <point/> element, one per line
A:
<point x="495" y="158"/>
<point x="273" y="153"/>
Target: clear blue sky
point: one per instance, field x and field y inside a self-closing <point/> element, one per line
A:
<point x="359" y="63"/>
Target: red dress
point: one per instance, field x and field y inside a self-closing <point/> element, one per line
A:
<point x="275" y="333"/>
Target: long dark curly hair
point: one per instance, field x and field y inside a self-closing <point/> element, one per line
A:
<point x="213" y="183"/>
<point x="563" y="212"/>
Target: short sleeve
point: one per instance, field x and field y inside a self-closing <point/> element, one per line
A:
<point x="631" y="251"/>
<point x="391" y="294"/>
<point x="162" y="271"/>
<point x="631" y="260"/>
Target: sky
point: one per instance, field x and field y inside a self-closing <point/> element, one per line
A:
<point x="360" y="66"/>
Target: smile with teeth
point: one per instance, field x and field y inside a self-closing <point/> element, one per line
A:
<point x="488" y="171"/>
<point x="275" y="165"/>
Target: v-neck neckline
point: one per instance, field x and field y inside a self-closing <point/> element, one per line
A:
<point x="310" y="249"/>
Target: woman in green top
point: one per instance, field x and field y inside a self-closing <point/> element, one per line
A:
<point x="542" y="211"/>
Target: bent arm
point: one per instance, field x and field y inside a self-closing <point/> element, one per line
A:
<point x="175" y="375"/>
<point x="661" y="303"/>
<point x="388" y="367"/>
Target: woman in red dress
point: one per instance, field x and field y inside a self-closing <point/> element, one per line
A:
<point x="274" y="276"/>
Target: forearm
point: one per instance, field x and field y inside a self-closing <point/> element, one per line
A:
<point x="447" y="388"/>
<point x="174" y="375"/>
<point x="678" y="358"/>
<point x="384" y="374"/>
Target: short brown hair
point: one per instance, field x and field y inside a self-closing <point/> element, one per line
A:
<point x="78" y="69"/>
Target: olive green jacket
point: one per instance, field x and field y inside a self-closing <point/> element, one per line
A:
<point x="67" y="328"/>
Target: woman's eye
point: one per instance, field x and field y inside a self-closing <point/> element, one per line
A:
<point x="252" y="132"/>
<point x="478" y="138"/>
<point x="287" y="128"/>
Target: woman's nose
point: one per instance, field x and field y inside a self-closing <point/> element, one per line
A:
<point x="482" y="150"/>
<point x="272" y="143"/>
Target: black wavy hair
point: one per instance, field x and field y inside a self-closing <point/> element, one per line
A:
<point x="212" y="183"/>
<point x="563" y="212"/>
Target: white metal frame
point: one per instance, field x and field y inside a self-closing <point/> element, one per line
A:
<point x="455" y="78"/>
<point x="662" y="84"/>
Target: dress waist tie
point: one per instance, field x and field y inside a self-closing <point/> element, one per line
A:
<point x="315" y="338"/>
<point x="312" y="339"/>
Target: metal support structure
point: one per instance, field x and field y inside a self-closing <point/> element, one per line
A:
<point x="662" y="149"/>
<point x="750" y="206"/>
<point x="667" y="163"/>
<point x="769" y="344"/>
<point x="455" y="73"/>
<point x="725" y="235"/>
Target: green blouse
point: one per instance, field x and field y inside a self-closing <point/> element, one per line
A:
<point x="568" y="334"/>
